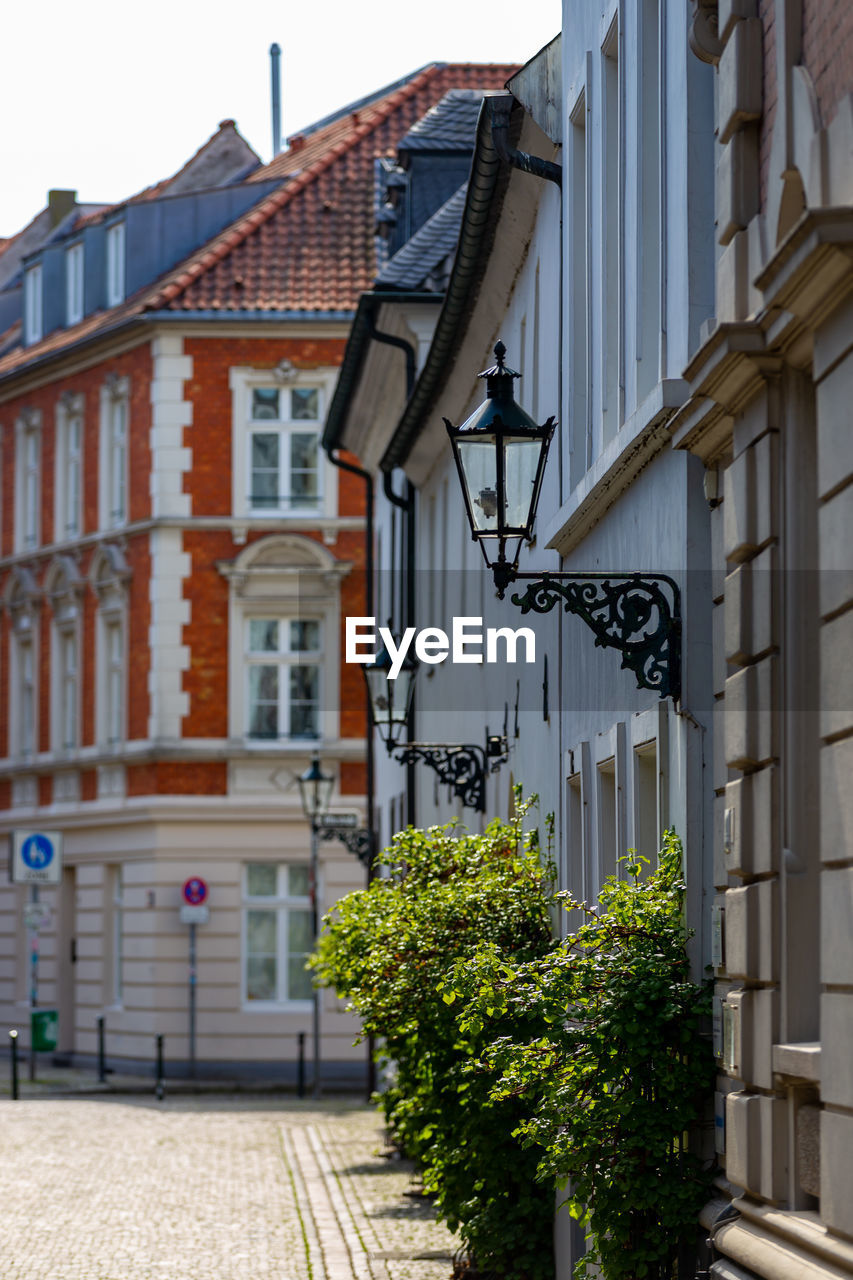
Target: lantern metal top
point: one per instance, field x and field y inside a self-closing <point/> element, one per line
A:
<point x="315" y="789"/>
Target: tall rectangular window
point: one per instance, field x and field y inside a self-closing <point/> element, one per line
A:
<point x="33" y="307"/>
<point x="283" y="670"/>
<point x="69" y="468"/>
<point x="611" y="310"/>
<point x="115" y="264"/>
<point x="68" y="687"/>
<point x="284" y="450"/>
<point x="28" y="481"/>
<point x="650" y="225"/>
<point x="74" y="284"/>
<point x="26" y="693"/>
<point x="607" y="852"/>
<point x="115" y="407"/>
<point x="277" y="933"/>
<point x="113" y="680"/>
<point x="646" y="829"/>
<point x="579" y="295"/>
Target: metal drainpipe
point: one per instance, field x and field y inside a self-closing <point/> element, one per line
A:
<point x="368" y="482"/>
<point x="406" y="504"/>
<point x="499" y="109"/>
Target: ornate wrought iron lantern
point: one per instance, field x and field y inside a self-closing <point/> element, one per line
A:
<point x="315" y="791"/>
<point x="500" y="455"/>
<point x="461" y="766"/>
<point x="390" y="700"/>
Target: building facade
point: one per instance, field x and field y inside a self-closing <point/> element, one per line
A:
<point x="768" y="415"/>
<point x="177" y="559"/>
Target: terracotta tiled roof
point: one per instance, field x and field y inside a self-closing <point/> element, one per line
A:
<point x="307" y="247"/>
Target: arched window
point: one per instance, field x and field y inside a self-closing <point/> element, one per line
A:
<point x="109" y="576"/>
<point x="23" y="600"/>
<point x="284" y="624"/>
<point x="64" y="588"/>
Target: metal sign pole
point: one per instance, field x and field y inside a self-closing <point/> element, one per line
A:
<point x="192" y="1000"/>
<point x="34" y="971"/>
<point x="315" y="921"/>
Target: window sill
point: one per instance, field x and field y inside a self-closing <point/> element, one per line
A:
<point x="300" y="1007"/>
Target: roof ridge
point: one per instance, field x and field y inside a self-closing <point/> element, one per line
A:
<point x="222" y="244"/>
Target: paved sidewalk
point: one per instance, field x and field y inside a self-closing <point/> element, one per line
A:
<point x="208" y="1187"/>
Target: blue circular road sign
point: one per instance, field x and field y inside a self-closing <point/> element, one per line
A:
<point x="37" y="852"/>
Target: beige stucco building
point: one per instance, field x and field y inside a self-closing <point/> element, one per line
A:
<point x="769" y="414"/>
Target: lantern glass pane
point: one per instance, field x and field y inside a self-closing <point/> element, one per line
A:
<point x="522" y="461"/>
<point x="479" y="467"/>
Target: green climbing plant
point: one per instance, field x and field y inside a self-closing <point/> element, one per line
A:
<point x="616" y="1068"/>
<point x="392" y="950"/>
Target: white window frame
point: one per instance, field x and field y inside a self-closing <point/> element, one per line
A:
<point x="68" y="480"/>
<point x="282" y="659"/>
<point x="64" y="588"/>
<point x="33" y="305"/>
<point x="617" y="750"/>
<point x="113" y="485"/>
<point x="28" y="481"/>
<point x="109" y="575"/>
<point x="74" y="278"/>
<point x="282" y="904"/>
<point x="287" y="577"/>
<point x="115" y="250"/>
<point x="22" y="603"/>
<point x="284" y="380"/>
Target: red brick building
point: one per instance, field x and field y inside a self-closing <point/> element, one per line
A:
<point x="177" y="557"/>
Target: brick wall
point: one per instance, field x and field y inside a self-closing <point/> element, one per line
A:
<point x="209" y="437"/>
<point x="136" y="366"/>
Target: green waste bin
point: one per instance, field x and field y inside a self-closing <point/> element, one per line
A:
<point x="44" y="1029"/>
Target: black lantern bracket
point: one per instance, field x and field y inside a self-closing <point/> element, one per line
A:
<point x="358" y="841"/>
<point x="500" y="455"/>
<point x="461" y="766"/>
<point x="638" y="614"/>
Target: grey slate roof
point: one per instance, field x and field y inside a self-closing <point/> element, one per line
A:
<point x="448" y="126"/>
<point x="420" y="264"/>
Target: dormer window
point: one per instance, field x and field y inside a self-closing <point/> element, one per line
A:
<point x="33" y="323"/>
<point x="74" y="284"/>
<point x="115" y="264"/>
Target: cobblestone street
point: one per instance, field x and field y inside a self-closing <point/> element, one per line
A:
<point x="234" y="1187"/>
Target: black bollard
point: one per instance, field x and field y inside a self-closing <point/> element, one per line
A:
<point x="300" y="1067"/>
<point x="160" y="1090"/>
<point x="102" y="1057"/>
<point x="13" y="1048"/>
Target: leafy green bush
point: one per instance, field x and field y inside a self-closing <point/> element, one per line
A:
<point x="391" y="949"/>
<point x="616" y="1069"/>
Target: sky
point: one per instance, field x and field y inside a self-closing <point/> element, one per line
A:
<point x="105" y="98"/>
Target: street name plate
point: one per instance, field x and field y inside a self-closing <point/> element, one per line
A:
<point x="339" y="821"/>
<point x="37" y="916"/>
<point x="194" y="914"/>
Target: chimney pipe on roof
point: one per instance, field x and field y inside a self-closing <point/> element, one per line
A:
<point x="275" y="59"/>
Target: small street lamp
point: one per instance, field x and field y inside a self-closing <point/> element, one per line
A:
<point x="500" y="455"/>
<point x="462" y="766"/>
<point x="315" y="792"/>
